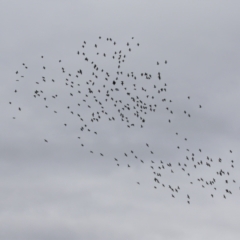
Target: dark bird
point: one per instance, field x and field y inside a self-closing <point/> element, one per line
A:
<point x="156" y="180"/>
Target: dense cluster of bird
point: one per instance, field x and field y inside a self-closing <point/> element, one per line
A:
<point x="124" y="97"/>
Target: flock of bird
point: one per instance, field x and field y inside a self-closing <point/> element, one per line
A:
<point x="117" y="96"/>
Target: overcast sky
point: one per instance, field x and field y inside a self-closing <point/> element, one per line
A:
<point x="58" y="189"/>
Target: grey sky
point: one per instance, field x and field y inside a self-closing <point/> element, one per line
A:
<point x="61" y="191"/>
